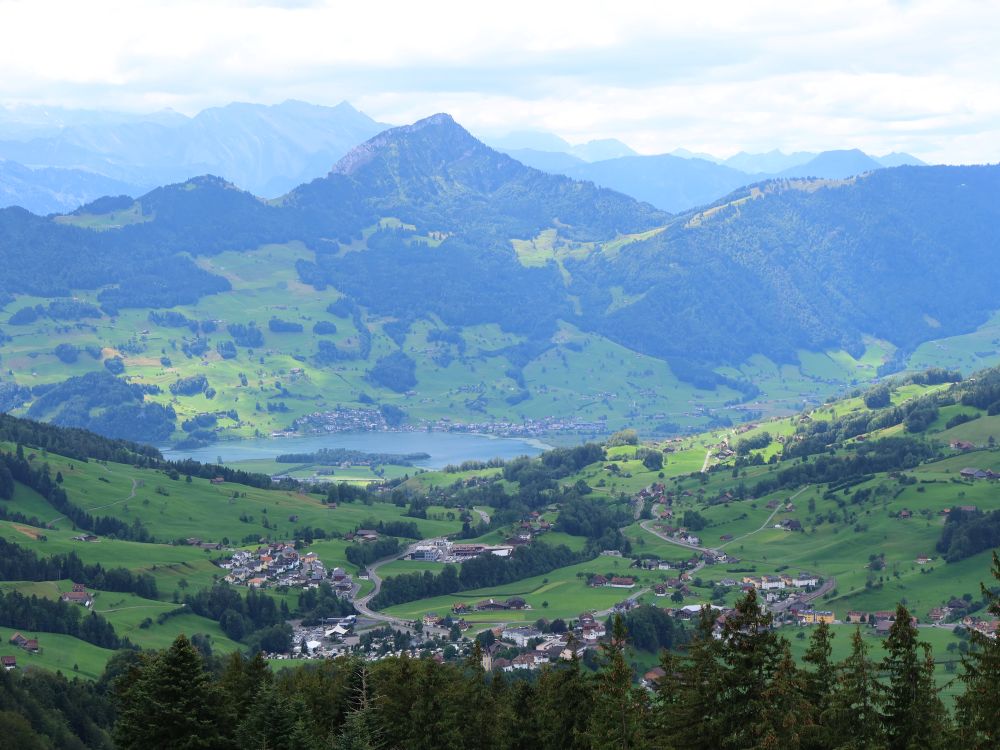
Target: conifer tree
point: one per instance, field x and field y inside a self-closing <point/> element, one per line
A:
<point x="978" y="709"/>
<point x="914" y="716"/>
<point x="853" y="719"/>
<point x="563" y="700"/>
<point x="617" y="718"/>
<point x="788" y="716"/>
<point x="171" y="702"/>
<point x="689" y="693"/>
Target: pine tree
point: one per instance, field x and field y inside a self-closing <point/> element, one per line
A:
<point x="788" y="717"/>
<point x="914" y="715"/>
<point x="853" y="718"/>
<point x="563" y="700"/>
<point x="618" y="716"/>
<point x="751" y="653"/>
<point x="688" y="695"/>
<point x="978" y="709"/>
<point x="170" y="702"/>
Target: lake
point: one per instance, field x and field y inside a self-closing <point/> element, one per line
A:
<point x="444" y="447"/>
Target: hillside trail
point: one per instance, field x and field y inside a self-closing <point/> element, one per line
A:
<point x="767" y="522"/>
<point x="135" y="486"/>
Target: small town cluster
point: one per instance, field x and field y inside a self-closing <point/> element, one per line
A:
<point x="280" y="564"/>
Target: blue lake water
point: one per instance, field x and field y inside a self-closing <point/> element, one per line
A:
<point x="444" y="447"/>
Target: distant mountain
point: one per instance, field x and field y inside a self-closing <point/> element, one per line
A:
<point x="425" y="222"/>
<point x="532" y="143"/>
<point x="833" y="165"/>
<point x="556" y="162"/>
<point x="264" y="149"/>
<point x="47" y="190"/>
<point x="896" y="159"/>
<point x="770" y="162"/>
<point x="670" y="183"/>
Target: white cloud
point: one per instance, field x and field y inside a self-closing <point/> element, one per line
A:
<point x="718" y="76"/>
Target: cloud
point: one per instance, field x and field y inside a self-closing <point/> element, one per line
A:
<point x="921" y="76"/>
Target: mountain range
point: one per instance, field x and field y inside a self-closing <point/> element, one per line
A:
<point x="444" y="258"/>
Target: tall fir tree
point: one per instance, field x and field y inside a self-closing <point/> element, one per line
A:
<point x="787" y="721"/>
<point x="978" y="708"/>
<point x="914" y="716"/>
<point x="853" y="718"/>
<point x="618" y="716"/>
<point x="171" y="702"/>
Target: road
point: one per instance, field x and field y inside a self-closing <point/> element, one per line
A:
<point x="767" y="522"/>
<point x="135" y="485"/>
<point x="708" y="457"/>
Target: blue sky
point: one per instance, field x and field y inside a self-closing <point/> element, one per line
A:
<point x="922" y="77"/>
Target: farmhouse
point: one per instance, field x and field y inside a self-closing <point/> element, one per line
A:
<point x="78" y="595"/>
<point x="8" y="662"/>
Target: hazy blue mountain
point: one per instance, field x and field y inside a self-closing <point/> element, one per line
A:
<point x="787" y="265"/>
<point x="265" y="149"/>
<point x="834" y="165"/>
<point x="897" y="159"/>
<point x="50" y="190"/>
<point x="670" y="183"/>
<point x="600" y="150"/>
<point x="556" y="162"/>
<point x="770" y="162"/>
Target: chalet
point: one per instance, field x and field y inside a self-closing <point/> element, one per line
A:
<point x="516" y="602"/>
<point x="792" y="524"/>
<point x="18" y="640"/>
<point x="489" y="605"/>
<point x="366" y="535"/>
<point x="78" y="595"/>
<point x="598" y="580"/>
<point x="8" y="662"/>
<point x="431" y="619"/>
<point x="923" y="559"/>
<point x="621" y="582"/>
<point x="218" y="480"/>
<point x="961" y="445"/>
<point x="460" y="608"/>
<point x="905" y="514"/>
<point x="660" y="590"/>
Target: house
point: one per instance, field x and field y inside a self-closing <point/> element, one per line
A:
<point x="856" y="616"/>
<point x="961" y="445"/>
<point x="792" y="524"/>
<point x="8" y="662"/>
<point x="653" y="676"/>
<point x="217" y="480"/>
<point x="522" y="661"/>
<point x="805" y="580"/>
<point x="521" y="635"/>
<point x="621" y="582"/>
<point x="516" y="602"/>
<point x="598" y="580"/>
<point x="431" y="619"/>
<point x="813" y="616"/>
<point x="660" y="590"/>
<point x="78" y="595"/>
<point x="18" y="640"/>
<point x="366" y="535"/>
<point x="905" y="514"/>
<point x="923" y="559"/>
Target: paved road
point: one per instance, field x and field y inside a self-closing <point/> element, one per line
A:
<point x="362" y="604"/>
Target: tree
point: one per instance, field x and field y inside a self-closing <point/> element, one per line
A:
<point x="978" y="717"/>
<point x="853" y="717"/>
<point x="169" y="701"/>
<point x="914" y="716"/>
<point x="788" y="718"/>
<point x="618" y="718"/>
<point x="653" y="460"/>
<point x="819" y="679"/>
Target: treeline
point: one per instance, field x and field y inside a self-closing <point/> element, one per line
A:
<point x="479" y="572"/>
<point x="20" y="564"/>
<point x="254" y="619"/>
<point x="340" y="455"/>
<point x="40" y="710"/>
<point x="78" y="444"/>
<point x="967" y="533"/>
<point x="887" y="454"/>
<point x="31" y="613"/>
<point x="41" y="481"/>
<point x="364" y="554"/>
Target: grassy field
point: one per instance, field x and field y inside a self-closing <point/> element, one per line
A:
<point x="60" y="653"/>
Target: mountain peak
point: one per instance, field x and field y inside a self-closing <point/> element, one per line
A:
<point x="438" y="136"/>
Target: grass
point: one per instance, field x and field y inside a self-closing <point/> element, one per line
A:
<point x="60" y="653"/>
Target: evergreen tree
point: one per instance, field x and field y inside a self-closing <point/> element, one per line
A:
<point x="853" y="719"/>
<point x="914" y="715"/>
<point x="169" y="701"/>
<point x="751" y="653"/>
<point x="562" y="703"/>
<point x="978" y="709"/>
<point x="689" y="695"/>
<point x="788" y="717"/>
<point x="618" y="716"/>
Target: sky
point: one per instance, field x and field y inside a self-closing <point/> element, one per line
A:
<point x="719" y="77"/>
